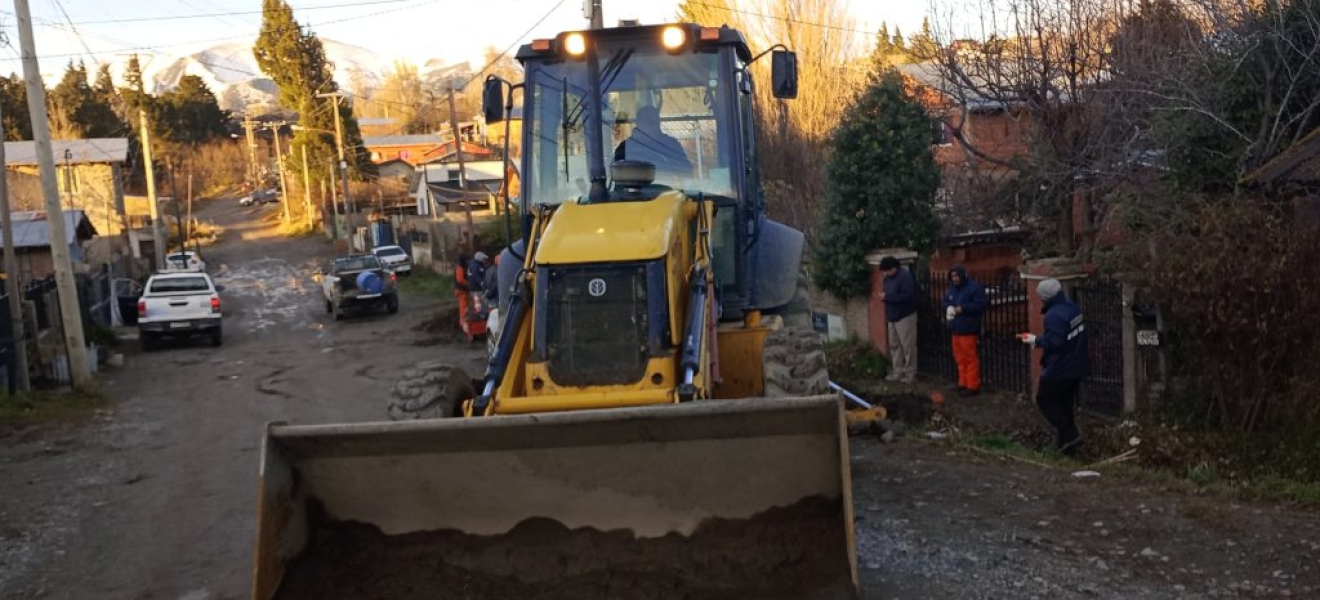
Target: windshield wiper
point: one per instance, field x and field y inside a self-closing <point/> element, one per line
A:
<point x="608" y="74"/>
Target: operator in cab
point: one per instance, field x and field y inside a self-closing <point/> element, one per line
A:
<point x="648" y="143"/>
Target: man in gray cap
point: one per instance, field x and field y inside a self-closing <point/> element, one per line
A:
<point x="476" y="271"/>
<point x="1064" y="363"/>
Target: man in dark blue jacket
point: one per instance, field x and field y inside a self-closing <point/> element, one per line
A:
<point x="901" y="314"/>
<point x="1064" y="363"/>
<point x="963" y="306"/>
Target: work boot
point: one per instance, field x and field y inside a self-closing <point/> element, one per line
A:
<point x="1069" y="447"/>
<point x="892" y="376"/>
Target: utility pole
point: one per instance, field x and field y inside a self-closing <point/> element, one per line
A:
<point x="196" y="245"/>
<point x="462" y="167"/>
<point x="157" y="232"/>
<point x="13" y="287"/>
<point x="70" y="313"/>
<point x="279" y="160"/>
<point x="343" y="164"/>
<point x="174" y="198"/>
<point x="307" y="188"/>
<point x="592" y="8"/>
<point x="334" y="206"/>
<point x="68" y="176"/>
<point x="248" y="127"/>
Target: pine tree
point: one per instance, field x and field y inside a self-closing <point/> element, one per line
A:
<point x="190" y="114"/>
<point x="923" y="46"/>
<point x="79" y="111"/>
<point x="295" y="59"/>
<point x="898" y="42"/>
<point x="881" y="184"/>
<point x="883" y="44"/>
<point x="13" y="105"/>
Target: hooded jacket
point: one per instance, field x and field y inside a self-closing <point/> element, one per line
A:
<point x="970" y="295"/>
<point x="1064" y="341"/>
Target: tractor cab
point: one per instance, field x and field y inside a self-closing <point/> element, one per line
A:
<point x="628" y="114"/>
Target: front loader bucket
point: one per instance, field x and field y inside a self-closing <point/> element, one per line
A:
<point x="715" y="499"/>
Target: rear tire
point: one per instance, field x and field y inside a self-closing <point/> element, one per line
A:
<point x="148" y="341"/>
<point x="392" y="305"/>
<point x="217" y="338"/>
<point x="430" y="390"/>
<point x="795" y="364"/>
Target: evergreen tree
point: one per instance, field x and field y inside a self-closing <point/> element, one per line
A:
<point x="190" y="114"/>
<point x="14" y="116"/>
<point x="923" y="46"/>
<point x="295" y="59"/>
<point x="881" y="184"/>
<point x="78" y="111"/>
<point x="898" y="43"/>
<point x="883" y="44"/>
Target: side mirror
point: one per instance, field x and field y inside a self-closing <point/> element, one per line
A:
<point x="219" y="288"/>
<point x="784" y="74"/>
<point x="492" y="100"/>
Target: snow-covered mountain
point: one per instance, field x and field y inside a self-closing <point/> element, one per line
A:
<point x="231" y="71"/>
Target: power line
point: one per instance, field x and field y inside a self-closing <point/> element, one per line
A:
<point x="230" y="38"/>
<point x="229" y="13"/>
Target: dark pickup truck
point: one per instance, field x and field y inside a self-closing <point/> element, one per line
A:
<point x="358" y="282"/>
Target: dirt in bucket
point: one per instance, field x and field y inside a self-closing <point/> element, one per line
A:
<point x="798" y="552"/>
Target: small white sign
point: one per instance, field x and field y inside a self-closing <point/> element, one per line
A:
<point x="1148" y="337"/>
<point x="596" y="287"/>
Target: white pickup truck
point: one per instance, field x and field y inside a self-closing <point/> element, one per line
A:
<point x="177" y="305"/>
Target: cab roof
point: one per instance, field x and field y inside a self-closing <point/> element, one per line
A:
<point x="643" y="34"/>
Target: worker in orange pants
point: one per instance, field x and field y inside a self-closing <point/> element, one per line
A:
<point x="964" y="304"/>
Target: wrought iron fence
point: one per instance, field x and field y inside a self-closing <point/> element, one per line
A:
<point x="1005" y="361"/>
<point x="1101" y="304"/>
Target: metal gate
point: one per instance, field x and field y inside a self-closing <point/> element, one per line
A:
<point x="1102" y="313"/>
<point x="1005" y="361"/>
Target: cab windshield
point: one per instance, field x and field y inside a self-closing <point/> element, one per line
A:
<point x="664" y="109"/>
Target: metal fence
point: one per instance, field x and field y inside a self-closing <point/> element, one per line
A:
<point x="1005" y="361"/>
<point x="1101" y="304"/>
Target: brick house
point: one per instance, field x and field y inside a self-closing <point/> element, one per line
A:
<point x="972" y="187"/>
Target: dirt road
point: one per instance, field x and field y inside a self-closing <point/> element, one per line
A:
<point x="153" y="497"/>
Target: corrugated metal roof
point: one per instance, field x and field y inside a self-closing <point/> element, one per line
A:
<point x="401" y="140"/>
<point x="89" y="151"/>
<point x="32" y="230"/>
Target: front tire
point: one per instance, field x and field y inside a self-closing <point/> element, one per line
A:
<point x="794" y="362"/>
<point x="430" y="390"/>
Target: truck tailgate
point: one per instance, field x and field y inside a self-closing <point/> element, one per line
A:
<point x="178" y="307"/>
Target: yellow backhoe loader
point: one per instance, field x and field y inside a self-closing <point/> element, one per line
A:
<point x="656" y="420"/>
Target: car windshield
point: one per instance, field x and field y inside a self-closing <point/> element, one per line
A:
<point x="180" y="284"/>
<point x="390" y="251"/>
<point x="664" y="109"/>
<point x="357" y="263"/>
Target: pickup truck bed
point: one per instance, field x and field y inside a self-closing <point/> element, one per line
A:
<point x="342" y="293"/>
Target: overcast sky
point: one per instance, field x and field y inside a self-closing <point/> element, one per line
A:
<point x="416" y="30"/>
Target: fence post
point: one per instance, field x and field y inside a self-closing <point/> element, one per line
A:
<point x="1069" y="273"/>
<point x="1129" y="350"/>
